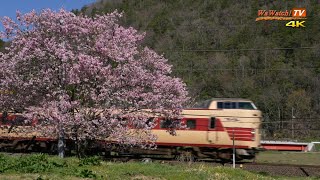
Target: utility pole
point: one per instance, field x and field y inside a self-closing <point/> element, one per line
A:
<point x="234" y="151"/>
<point x="292" y="117"/>
<point x="279" y="116"/>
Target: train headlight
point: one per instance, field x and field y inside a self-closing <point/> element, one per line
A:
<point x="253" y="132"/>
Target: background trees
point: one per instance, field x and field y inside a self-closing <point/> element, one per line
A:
<point x="219" y="50"/>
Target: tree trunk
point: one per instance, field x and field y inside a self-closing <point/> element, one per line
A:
<point x="61" y="143"/>
<point x="78" y="143"/>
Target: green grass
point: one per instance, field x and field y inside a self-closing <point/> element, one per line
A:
<point x="317" y="147"/>
<point x="285" y="157"/>
<point x="41" y="166"/>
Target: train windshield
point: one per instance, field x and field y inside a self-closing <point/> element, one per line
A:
<point x="236" y="105"/>
<point x="203" y="104"/>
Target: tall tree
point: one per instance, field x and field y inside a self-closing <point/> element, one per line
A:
<point x="86" y="78"/>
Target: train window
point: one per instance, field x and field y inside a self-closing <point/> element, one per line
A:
<point x="203" y="104"/>
<point x="212" y="124"/>
<point x="19" y="120"/>
<point x="4" y="118"/>
<point x="165" y="123"/>
<point x="150" y="120"/>
<point x="191" y="123"/>
<point x="246" y="105"/>
<point x="227" y="105"/>
<point x="235" y="105"/>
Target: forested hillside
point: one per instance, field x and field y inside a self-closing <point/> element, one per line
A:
<point x="219" y="50"/>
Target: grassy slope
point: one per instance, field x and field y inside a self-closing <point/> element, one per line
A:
<point x="41" y="166"/>
<point x="45" y="167"/>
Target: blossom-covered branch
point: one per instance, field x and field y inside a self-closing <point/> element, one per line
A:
<point x="89" y="77"/>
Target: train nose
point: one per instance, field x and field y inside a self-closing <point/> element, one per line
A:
<point x="257" y="114"/>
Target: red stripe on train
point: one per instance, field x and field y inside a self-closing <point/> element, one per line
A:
<point x="241" y="134"/>
<point x="201" y="145"/>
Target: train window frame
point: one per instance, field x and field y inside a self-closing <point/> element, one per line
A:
<point x="165" y="124"/>
<point x="236" y="105"/>
<point x="203" y="104"/>
<point x="212" y="119"/>
<point x="194" y="126"/>
<point x="227" y="105"/>
<point x="245" y="105"/>
<point x="150" y="121"/>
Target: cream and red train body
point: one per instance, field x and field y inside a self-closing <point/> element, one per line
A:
<point x="211" y="127"/>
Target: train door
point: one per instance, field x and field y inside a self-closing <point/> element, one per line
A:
<point x="212" y="133"/>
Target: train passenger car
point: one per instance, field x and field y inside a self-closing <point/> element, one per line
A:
<point x="211" y="127"/>
<point x="14" y="137"/>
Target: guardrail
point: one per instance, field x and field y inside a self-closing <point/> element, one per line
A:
<point x="288" y="146"/>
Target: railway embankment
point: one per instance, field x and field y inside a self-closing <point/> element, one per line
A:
<point x="40" y="166"/>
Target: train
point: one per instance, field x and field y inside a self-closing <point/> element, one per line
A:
<point x="213" y="129"/>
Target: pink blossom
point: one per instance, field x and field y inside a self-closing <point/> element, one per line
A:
<point x="90" y="76"/>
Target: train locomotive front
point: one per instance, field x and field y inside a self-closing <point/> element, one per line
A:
<point x="212" y="126"/>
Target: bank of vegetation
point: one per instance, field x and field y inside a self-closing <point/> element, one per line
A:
<point x="40" y="166"/>
<point x="219" y="50"/>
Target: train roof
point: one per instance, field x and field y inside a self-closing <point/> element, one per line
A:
<point x="228" y="99"/>
<point x="209" y="104"/>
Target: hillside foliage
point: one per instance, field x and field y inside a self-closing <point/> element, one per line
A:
<point x="219" y="50"/>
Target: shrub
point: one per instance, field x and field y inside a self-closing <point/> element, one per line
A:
<point x="29" y="164"/>
<point x="95" y="161"/>
<point x="85" y="173"/>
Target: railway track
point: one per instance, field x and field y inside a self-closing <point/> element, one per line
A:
<point x="281" y="169"/>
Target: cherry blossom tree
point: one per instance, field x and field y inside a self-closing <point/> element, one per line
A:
<point x="86" y="78"/>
